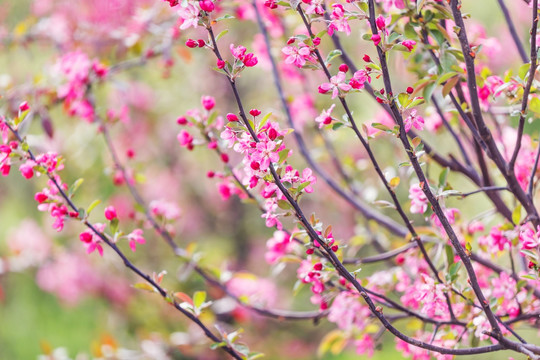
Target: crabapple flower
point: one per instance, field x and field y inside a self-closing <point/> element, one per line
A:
<point x="419" y="201"/>
<point x="134" y="238"/>
<point x="314" y="7"/>
<point x="529" y="239"/>
<point x="189" y="15"/>
<point x="337" y="83"/>
<point x="110" y="213"/>
<point x="413" y="120"/>
<point x="325" y="118"/>
<point x="27" y="169"/>
<point x="278" y="246"/>
<point x="348" y="312"/>
<point x="208" y="102"/>
<point x="185" y="139"/>
<point x="297" y="55"/>
<point x="359" y="79"/>
<point x="91" y="240"/>
<point x="339" y="22"/>
<point x="376" y="38"/>
<point x="382" y="23"/>
<point x="409" y="44"/>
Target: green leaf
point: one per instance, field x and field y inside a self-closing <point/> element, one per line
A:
<point x="444" y="77"/>
<point x="114" y="225"/>
<point x="409" y="31"/>
<point x="393" y="37"/>
<point x="419" y="4"/>
<point x="284" y="205"/>
<point x="92" y="206"/>
<point x="516" y="215"/>
<point x="534" y="105"/>
<point x="333" y="54"/>
<point x="221" y="34"/>
<point x="198" y="299"/>
<point x="264" y="120"/>
<point x="224" y="17"/>
<point x="283" y="155"/>
<point x="428" y="90"/>
<point x="523" y="70"/>
<point x="443" y="176"/>
<point x="218" y="345"/>
<point x="403" y="99"/>
<point x="450" y="84"/>
<point x="144" y="286"/>
<point x="75" y="186"/>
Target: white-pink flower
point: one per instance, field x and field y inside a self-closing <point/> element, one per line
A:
<point x="336" y="84"/>
<point x="413" y="119"/>
<point x="190" y="16"/>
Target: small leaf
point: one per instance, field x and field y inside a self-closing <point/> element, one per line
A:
<point x="284" y="205"/>
<point x="221" y="34"/>
<point x="198" y="299"/>
<point x="144" y="286"/>
<point x="516" y="215"/>
<point x="75" y="186"/>
<point x="264" y="120"/>
<point x="92" y="206"/>
<point x="184" y="297"/>
<point x="443" y="176"/>
<point x="333" y="54"/>
<point x="394" y="182"/>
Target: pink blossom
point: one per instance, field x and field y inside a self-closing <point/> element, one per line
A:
<point x="359" y="79"/>
<point x="278" y="246"/>
<point x="307" y="176"/>
<point x="184" y="138"/>
<point x="134" y="238"/>
<point x="258" y="291"/>
<point x="376" y="38"/>
<point x="413" y="120"/>
<point x="336" y="84"/>
<point x="27" y="169"/>
<point x="297" y="55"/>
<point x="110" y="213"/>
<point x="208" y="102"/>
<point x="190" y="16"/>
<point x="365" y="345"/>
<point x="382" y="23"/>
<point x="314" y="7"/>
<point x="164" y="209"/>
<point x="91" y="240"/>
<point x="325" y="118"/>
<point x="529" y="239"/>
<point x="432" y="297"/>
<point x="339" y="21"/>
<point x="419" y="201"/>
<point x="348" y="312"/>
<point x="499" y="238"/>
<point x="409" y="44"/>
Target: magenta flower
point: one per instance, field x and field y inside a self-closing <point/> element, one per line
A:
<point x="409" y="44"/>
<point x="419" y="201"/>
<point x="110" y="213"/>
<point x="336" y="84"/>
<point x="413" y="120"/>
<point x="325" y="117"/>
<point x="190" y="16"/>
<point x="297" y="56"/>
<point x="135" y="237"/>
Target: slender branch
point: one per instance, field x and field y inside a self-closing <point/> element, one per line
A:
<point x="427" y="191"/>
<point x="483" y="130"/>
<point x="513" y="31"/>
<point x="331" y="256"/>
<point x="527" y="89"/>
<point x="126" y="261"/>
<point x="533" y="172"/>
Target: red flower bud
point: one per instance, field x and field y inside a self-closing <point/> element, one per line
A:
<point x="272" y="134"/>
<point x="201" y="43"/>
<point x="232" y="117"/>
<point x="190" y="43"/>
<point x="181" y="120"/>
<point x="344" y="68"/>
<point x="254" y="112"/>
<point x="225" y="158"/>
<point x="366" y="58"/>
<point x="410" y="90"/>
<point x="220" y="64"/>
